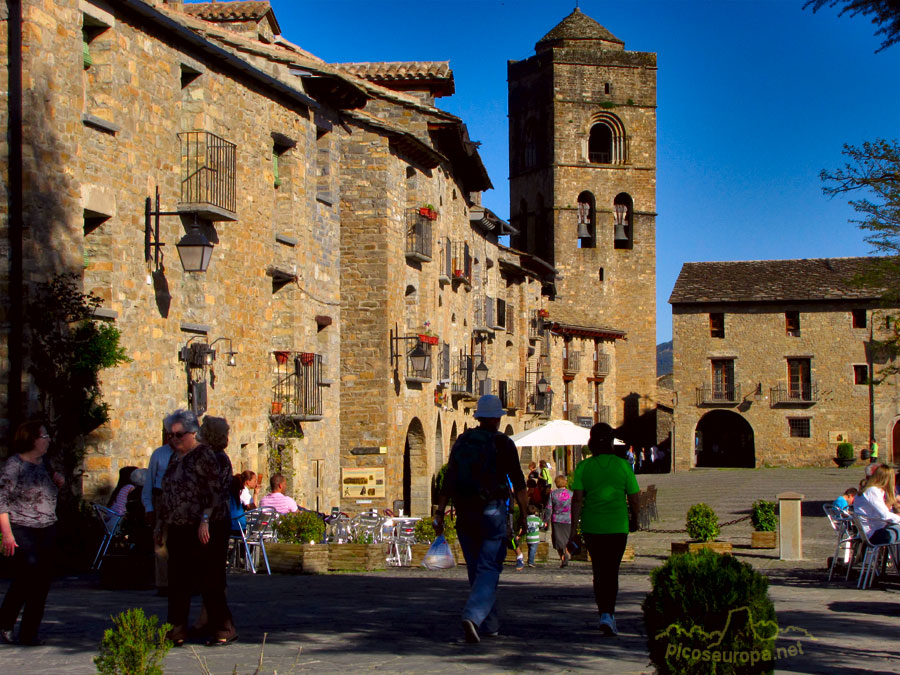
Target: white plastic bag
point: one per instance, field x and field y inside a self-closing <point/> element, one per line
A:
<point x="439" y="556"/>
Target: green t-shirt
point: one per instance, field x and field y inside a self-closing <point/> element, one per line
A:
<point x="605" y="479"/>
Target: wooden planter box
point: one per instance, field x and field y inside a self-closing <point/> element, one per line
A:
<point x="298" y="558"/>
<point x="356" y="557"/>
<point x="764" y="540"/>
<point x="694" y="546"/>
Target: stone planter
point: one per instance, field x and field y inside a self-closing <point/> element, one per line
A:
<point x="297" y="558"/>
<point x="844" y="463"/>
<point x="764" y="540"/>
<point x="356" y="557"/>
<point x="694" y="546"/>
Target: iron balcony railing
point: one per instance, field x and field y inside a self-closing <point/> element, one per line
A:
<point x="512" y="394"/>
<point x="297" y="393"/>
<point x="599" y="157"/>
<point x="418" y="236"/>
<point x="444" y="363"/>
<point x="461" y="262"/>
<point x="572" y="363"/>
<point x="463" y="376"/>
<point x="207" y="172"/>
<point x="539" y="403"/>
<point x="601" y="365"/>
<point x="804" y="393"/>
<point x="536" y="327"/>
<point x="727" y="395"/>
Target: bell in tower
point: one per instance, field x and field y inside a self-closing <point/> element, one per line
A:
<point x="621" y="237"/>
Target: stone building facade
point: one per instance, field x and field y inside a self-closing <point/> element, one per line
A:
<point x="345" y="215"/>
<point x="582" y="115"/>
<point x="772" y="364"/>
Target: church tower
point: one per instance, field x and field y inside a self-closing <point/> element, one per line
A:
<point x="582" y="148"/>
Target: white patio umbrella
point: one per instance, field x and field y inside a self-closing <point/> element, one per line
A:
<point x="554" y="432"/>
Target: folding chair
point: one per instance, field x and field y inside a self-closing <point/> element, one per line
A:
<point x="111" y="521"/>
<point x="256" y="533"/>
<point x="651" y="503"/>
<point x="848" y="540"/>
<point x="873" y="556"/>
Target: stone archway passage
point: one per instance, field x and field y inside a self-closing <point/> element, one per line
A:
<point x="895" y="442"/>
<point x="725" y="439"/>
<point x="416" y="480"/>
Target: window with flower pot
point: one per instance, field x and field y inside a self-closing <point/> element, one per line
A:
<point x="296" y="393"/>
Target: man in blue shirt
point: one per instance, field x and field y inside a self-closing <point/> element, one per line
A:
<point x="150" y="493"/>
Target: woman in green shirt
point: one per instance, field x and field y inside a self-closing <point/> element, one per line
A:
<point x="604" y="487"/>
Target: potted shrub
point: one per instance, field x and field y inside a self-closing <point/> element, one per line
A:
<point x="276" y="407"/>
<point x="427" y="211"/>
<point x="703" y="528"/>
<point x="543" y="313"/>
<point x="845" y="456"/>
<point x="764" y="517"/>
<point x="710" y="603"/>
<point x="299" y="547"/>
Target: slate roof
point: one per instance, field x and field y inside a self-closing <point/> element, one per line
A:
<point x="228" y="11"/>
<point x="771" y="280"/>
<point x="395" y="72"/>
<point x="578" y="26"/>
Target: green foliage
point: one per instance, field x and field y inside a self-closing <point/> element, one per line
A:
<point x="300" y="527"/>
<point x="702" y="523"/>
<point x="764" y="516"/>
<point x="425" y="530"/>
<point x="439" y="478"/>
<point x="884" y="13"/>
<point x="701" y="598"/>
<point x="68" y="350"/>
<point x="136" y="645"/>
<point x="845" y="450"/>
<point x="607" y="105"/>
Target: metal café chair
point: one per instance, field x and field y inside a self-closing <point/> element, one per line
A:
<point x="111" y="521"/>
<point x="848" y="540"/>
<point x="873" y="558"/>
<point x="403" y="536"/>
<point x="255" y="535"/>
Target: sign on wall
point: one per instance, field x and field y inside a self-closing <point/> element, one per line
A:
<point x="362" y="482"/>
<point x="838" y="436"/>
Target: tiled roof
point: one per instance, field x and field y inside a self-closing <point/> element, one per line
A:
<point x="578" y="26"/>
<point x="771" y="280"/>
<point x="228" y="11"/>
<point x="398" y="72"/>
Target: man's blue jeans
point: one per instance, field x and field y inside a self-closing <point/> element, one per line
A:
<point x="482" y="537"/>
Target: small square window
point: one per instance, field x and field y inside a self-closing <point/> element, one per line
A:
<point x="860" y="374"/>
<point x="792" y="323"/>
<point x="859" y="318"/>
<point x="799" y="427"/>
<point x="717" y="325"/>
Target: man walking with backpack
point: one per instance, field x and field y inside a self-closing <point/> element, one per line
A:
<point x="483" y="464"/>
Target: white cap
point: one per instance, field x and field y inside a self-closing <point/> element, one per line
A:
<point x="489" y="406"/>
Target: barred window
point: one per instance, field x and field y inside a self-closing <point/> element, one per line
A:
<point x="799" y="427"/>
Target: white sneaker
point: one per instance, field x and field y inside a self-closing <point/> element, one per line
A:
<point x="608" y="624"/>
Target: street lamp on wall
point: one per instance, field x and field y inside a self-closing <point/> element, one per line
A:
<point x="194" y="249"/>
<point x="230" y="353"/>
<point x="419" y="358"/>
<point x="481" y="371"/>
<point x="542" y="385"/>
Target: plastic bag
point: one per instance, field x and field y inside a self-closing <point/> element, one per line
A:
<point x="439" y="556"/>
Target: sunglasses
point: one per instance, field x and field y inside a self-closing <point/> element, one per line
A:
<point x="44" y="436"/>
<point x="181" y="434"/>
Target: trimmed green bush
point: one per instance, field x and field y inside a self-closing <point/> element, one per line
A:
<point x="425" y="530"/>
<point x="764" y="516"/>
<point x="845" y="450"/>
<point x="705" y="612"/>
<point x="300" y="527"/>
<point x="702" y="523"/>
<point x="135" y="645"/>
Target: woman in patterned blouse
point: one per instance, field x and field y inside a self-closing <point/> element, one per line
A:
<point x="28" y="494"/>
<point x="196" y="514"/>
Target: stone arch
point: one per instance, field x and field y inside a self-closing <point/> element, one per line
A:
<point x="453" y="434"/>
<point x="416" y="481"/>
<point x="438" y="445"/>
<point x="606" y="139"/>
<point x="895" y="441"/>
<point x="724" y="439"/>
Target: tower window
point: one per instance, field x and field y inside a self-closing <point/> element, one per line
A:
<point x="859" y="318"/>
<point x="792" y="323"/>
<point x="606" y="141"/>
<point x="530" y="157"/>
<point x="606" y="88"/>
<point x="600" y="145"/>
<point x="860" y="374"/>
<point x="587" y="221"/>
<point x="623" y="212"/>
<point x="717" y="324"/>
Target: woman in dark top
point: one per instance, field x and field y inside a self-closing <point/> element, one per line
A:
<point x="195" y="510"/>
<point x="28" y="495"/>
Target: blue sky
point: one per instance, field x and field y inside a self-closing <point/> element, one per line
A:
<point x="755" y="98"/>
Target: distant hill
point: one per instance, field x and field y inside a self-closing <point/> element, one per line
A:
<point x="664" y="358"/>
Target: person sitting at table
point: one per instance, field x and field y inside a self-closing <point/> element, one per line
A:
<point x="845" y="501"/>
<point x="122" y="492"/>
<point x="882" y="526"/>
<point x="276" y="498"/>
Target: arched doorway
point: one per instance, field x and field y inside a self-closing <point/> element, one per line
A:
<point x="438" y="458"/>
<point x="416" y="481"/>
<point x="725" y="439"/>
<point x="895" y="442"/>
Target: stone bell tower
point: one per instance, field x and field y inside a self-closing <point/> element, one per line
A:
<point x="582" y="139"/>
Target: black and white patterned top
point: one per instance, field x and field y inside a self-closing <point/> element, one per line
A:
<point x="27" y="493"/>
<point x="193" y="483"/>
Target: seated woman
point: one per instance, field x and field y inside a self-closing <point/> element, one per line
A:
<point x="249" y="490"/>
<point x="235" y="507"/>
<point x="882" y="525"/>
<point x="120" y="494"/>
